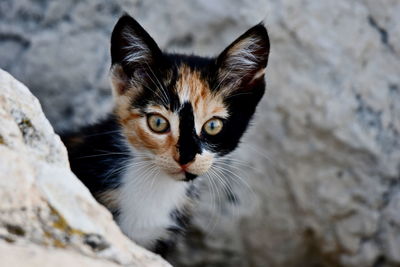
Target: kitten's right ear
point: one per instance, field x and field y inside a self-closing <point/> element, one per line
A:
<point x="133" y="52"/>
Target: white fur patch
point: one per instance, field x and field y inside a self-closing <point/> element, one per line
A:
<point x="146" y="202"/>
<point x="136" y="48"/>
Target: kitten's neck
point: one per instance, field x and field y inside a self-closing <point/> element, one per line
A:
<point x="149" y="204"/>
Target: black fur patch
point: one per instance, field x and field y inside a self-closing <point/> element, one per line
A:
<point x="100" y="150"/>
<point x="164" y="246"/>
<point x="189" y="142"/>
<point x="190" y="176"/>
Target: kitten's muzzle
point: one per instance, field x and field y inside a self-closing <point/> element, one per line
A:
<point x="185" y="166"/>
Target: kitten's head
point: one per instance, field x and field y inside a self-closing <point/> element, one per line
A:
<point x="183" y="112"/>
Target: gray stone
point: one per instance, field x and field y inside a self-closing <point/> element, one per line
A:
<point x="324" y="153"/>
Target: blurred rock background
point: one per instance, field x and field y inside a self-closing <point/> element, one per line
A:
<point x="321" y="181"/>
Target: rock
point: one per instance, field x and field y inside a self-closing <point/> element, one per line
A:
<point x="47" y="216"/>
<point x="324" y="153"/>
<point x="36" y="256"/>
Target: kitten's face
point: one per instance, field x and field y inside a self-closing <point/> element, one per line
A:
<point x="183" y="112"/>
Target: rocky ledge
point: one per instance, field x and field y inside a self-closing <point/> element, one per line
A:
<point x="47" y="216"/>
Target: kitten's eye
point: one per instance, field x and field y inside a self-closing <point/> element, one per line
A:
<point x="213" y="126"/>
<point x="157" y="123"/>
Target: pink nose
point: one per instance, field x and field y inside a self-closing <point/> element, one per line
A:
<point x="185" y="166"/>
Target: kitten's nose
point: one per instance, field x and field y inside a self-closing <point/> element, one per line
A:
<point x="184" y="166"/>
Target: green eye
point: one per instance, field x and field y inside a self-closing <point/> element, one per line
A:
<point x="213" y="126"/>
<point x="157" y="123"/>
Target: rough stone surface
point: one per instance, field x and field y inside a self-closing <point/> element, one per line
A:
<point x="47" y="216"/>
<point x="324" y="153"/>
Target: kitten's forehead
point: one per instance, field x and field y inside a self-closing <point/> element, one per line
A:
<point x="190" y="86"/>
<point x="194" y="88"/>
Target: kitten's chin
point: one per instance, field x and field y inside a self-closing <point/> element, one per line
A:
<point x="182" y="176"/>
<point x="190" y="176"/>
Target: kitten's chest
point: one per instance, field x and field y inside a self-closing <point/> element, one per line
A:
<point x="147" y="204"/>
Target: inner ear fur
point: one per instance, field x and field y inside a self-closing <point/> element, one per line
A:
<point x="245" y="60"/>
<point x="131" y="44"/>
<point x="133" y="54"/>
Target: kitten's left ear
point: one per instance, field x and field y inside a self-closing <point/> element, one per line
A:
<point x="244" y="61"/>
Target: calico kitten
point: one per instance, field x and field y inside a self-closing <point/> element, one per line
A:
<point x="174" y="115"/>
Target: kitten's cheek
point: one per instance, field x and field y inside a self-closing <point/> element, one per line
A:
<point x="201" y="166"/>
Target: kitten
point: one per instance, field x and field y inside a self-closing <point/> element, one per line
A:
<point x="174" y="115"/>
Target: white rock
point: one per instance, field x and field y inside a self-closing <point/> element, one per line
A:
<point x="44" y="206"/>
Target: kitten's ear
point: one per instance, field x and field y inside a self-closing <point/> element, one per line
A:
<point x="133" y="52"/>
<point x="244" y="61"/>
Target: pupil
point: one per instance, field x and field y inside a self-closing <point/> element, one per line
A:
<point x="212" y="125"/>
<point x="158" y="122"/>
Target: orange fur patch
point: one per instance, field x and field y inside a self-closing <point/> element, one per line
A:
<point x="109" y="198"/>
<point x="75" y="140"/>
